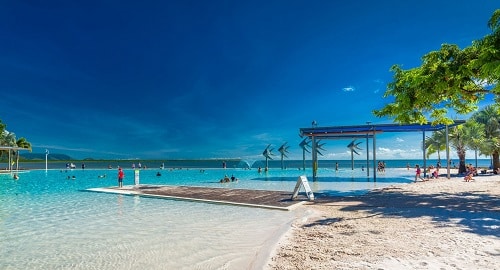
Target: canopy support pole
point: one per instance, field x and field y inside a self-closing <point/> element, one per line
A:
<point x="314" y="154"/>
<point x="367" y="157"/>
<point x="374" y="157"/>
<point x="447" y="153"/>
<point x="423" y="153"/>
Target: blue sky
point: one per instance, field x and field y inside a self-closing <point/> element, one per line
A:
<point x="213" y="79"/>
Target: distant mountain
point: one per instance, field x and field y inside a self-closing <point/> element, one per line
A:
<point x="41" y="156"/>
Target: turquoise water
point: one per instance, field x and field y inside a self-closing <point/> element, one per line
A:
<point x="48" y="221"/>
<point x="241" y="164"/>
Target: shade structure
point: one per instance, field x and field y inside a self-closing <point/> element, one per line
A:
<point x="369" y="131"/>
<point x="10" y="149"/>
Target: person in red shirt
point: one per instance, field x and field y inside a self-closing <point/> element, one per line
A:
<point x="418" y="172"/>
<point x="120" y="177"/>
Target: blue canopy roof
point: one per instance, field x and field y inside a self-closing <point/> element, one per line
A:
<point x="363" y="130"/>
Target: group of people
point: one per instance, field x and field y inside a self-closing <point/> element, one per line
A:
<point x="139" y="166"/>
<point x="259" y="170"/>
<point x="226" y="179"/>
<point x="432" y="175"/>
<point x="471" y="171"/>
<point x="381" y="166"/>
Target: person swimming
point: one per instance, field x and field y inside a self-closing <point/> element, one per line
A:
<point x="225" y="179"/>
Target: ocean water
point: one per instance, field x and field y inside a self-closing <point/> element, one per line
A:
<point x="240" y="163"/>
<point x="48" y="221"/>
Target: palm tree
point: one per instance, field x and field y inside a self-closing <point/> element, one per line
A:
<point x="436" y="143"/>
<point x="458" y="141"/>
<point x="474" y="136"/>
<point x="7" y="139"/>
<point x="490" y="118"/>
<point x="23" y="143"/>
<point x="2" y="127"/>
<point x="2" y="137"/>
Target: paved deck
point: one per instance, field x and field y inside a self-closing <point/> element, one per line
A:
<point x="280" y="200"/>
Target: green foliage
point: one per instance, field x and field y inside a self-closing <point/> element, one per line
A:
<point x="448" y="79"/>
<point x="494" y="22"/>
<point x="489" y="118"/>
<point x="2" y="127"/>
<point x="9" y="139"/>
<point x="436" y="143"/>
<point x="458" y="141"/>
<point x="474" y="134"/>
<point x="22" y="142"/>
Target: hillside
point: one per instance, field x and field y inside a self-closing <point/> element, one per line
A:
<point x="41" y="156"/>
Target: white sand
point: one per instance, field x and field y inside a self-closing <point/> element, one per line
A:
<point x="438" y="224"/>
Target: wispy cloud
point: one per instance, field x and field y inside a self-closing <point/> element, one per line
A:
<point x="262" y="137"/>
<point x="349" y="89"/>
<point x="379" y="84"/>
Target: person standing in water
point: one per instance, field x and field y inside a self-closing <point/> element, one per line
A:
<point x="120" y="177"/>
<point x="418" y="173"/>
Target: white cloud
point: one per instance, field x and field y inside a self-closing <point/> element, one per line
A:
<point x="383" y="150"/>
<point x="348" y="89"/>
<point x="263" y="137"/>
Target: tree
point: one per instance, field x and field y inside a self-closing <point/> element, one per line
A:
<point x="449" y="78"/>
<point x="9" y="139"/>
<point x="23" y="143"/>
<point x="436" y="143"/>
<point x="458" y="141"/>
<point x="489" y="117"/>
<point x="487" y="61"/>
<point x="2" y="127"/>
<point x="474" y="136"/>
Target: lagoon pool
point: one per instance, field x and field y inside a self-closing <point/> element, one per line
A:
<point x="48" y="221"/>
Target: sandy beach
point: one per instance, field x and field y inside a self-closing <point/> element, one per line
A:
<point x="437" y="224"/>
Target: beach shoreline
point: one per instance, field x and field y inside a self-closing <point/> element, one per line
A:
<point x="436" y="224"/>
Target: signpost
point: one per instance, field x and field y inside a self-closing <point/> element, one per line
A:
<point x="302" y="181"/>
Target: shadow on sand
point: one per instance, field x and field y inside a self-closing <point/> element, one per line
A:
<point x="475" y="211"/>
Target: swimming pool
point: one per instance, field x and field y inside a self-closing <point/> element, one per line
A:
<point x="47" y="221"/>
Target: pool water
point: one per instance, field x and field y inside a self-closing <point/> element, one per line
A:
<point x="48" y="221"/>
